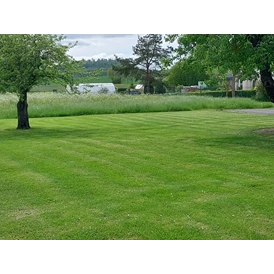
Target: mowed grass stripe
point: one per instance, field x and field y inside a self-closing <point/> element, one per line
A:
<point x="180" y="175"/>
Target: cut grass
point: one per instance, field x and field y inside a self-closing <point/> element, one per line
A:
<point x="177" y="175"/>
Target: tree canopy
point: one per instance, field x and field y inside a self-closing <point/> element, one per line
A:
<point x="244" y="55"/>
<point x="27" y="60"/>
<point x="184" y="72"/>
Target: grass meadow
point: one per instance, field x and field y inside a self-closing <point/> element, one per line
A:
<point x="158" y="174"/>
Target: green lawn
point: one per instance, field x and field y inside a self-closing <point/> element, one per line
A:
<point x="171" y="175"/>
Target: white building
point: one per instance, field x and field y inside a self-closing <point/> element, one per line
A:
<point x="248" y="84"/>
<point x="94" y="88"/>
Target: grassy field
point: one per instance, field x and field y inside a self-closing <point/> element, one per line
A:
<point x="48" y="104"/>
<point x="166" y="175"/>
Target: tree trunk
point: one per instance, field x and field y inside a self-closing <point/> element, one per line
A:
<point x="226" y="89"/>
<point x="22" y="112"/>
<point x="147" y="85"/>
<point x="268" y="82"/>
<point x="148" y="82"/>
<point x="233" y="85"/>
<point x="265" y="73"/>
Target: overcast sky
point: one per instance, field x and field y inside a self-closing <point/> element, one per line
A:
<point x="102" y="45"/>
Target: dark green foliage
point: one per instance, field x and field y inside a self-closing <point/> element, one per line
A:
<point x="103" y="64"/>
<point x="131" y="86"/>
<point x="117" y="80"/>
<point x="122" y="90"/>
<point x="261" y="93"/>
<point x="185" y="73"/>
<point x="239" y="93"/>
<point x="160" y="88"/>
<point x="148" y="90"/>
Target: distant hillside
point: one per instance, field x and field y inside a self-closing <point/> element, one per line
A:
<point x="104" y="64"/>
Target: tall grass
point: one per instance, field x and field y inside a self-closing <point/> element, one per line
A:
<point x="45" y="104"/>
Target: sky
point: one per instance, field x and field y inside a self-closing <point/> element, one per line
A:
<point x="103" y="46"/>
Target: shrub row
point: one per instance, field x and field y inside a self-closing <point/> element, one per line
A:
<point x="238" y="93"/>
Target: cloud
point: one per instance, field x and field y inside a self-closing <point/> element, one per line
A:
<point x="92" y="36"/>
<point x="94" y="46"/>
<point x="103" y="46"/>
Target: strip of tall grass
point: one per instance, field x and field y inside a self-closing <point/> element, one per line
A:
<point x="45" y="104"/>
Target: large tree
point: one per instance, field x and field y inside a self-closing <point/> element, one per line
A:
<point x="27" y="60"/>
<point x="241" y="54"/>
<point x="146" y="65"/>
<point x="263" y="59"/>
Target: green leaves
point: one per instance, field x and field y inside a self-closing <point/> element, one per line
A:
<point x="30" y="59"/>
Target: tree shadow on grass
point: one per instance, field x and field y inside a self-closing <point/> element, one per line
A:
<point x="250" y="139"/>
<point x="48" y="132"/>
<point x="269" y="131"/>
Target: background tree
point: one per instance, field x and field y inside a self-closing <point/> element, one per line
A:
<point x="147" y="63"/>
<point x="115" y="77"/>
<point x="186" y="73"/>
<point x="224" y="53"/>
<point x="252" y="53"/>
<point x="27" y="60"/>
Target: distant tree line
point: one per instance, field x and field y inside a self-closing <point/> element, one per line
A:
<point x="99" y="64"/>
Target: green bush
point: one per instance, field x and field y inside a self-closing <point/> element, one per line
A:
<point x="122" y="90"/>
<point x="160" y="89"/>
<point x="261" y="94"/>
<point x="238" y="93"/>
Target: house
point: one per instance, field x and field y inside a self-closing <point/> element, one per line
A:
<point x="244" y="85"/>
